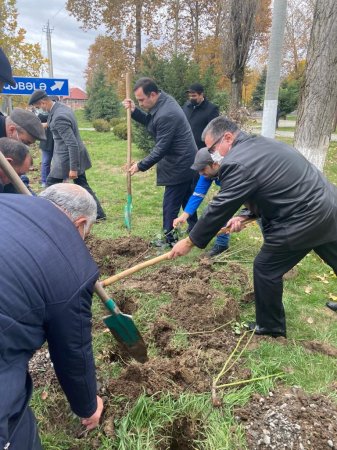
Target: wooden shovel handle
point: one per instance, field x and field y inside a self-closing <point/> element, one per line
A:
<point x="244" y="223"/>
<point x="136" y="268"/>
<point x="128" y="121"/>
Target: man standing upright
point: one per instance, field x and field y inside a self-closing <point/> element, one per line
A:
<point x="174" y="150"/>
<point x="199" y="111"/>
<point x="70" y="158"/>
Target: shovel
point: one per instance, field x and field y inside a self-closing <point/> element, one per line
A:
<point x="120" y="325"/>
<point x="136" y="268"/>
<point x="128" y="206"/>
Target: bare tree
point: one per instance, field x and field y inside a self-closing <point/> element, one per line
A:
<point x="239" y="34"/>
<point x="317" y="106"/>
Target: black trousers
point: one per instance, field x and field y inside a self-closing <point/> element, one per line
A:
<point x="81" y="180"/>
<point x="176" y="197"/>
<point x="269" y="267"/>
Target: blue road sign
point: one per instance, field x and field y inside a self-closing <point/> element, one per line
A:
<point x="26" y="86"/>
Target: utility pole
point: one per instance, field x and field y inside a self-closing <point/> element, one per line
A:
<point x="48" y="32"/>
<point x="274" y="69"/>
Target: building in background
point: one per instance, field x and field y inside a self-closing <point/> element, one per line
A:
<point x="76" y="99"/>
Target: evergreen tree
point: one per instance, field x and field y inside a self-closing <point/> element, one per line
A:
<point x="102" y="101"/>
<point x="258" y="94"/>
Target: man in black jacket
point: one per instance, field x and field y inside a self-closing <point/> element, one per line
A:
<point x="199" y="112"/>
<point x="47" y="279"/>
<point x="173" y="152"/>
<point x="296" y="203"/>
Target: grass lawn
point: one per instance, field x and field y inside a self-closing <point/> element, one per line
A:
<point x="146" y="423"/>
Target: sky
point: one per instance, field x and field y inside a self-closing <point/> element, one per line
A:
<point x="70" y="44"/>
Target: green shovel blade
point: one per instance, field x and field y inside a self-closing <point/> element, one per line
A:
<point x="125" y="331"/>
<point x="127" y="212"/>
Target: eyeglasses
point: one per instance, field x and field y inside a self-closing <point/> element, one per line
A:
<point x="211" y="149"/>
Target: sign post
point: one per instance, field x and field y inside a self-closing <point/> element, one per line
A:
<point x="26" y="86"/>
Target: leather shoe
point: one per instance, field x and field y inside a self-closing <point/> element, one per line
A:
<point x="216" y="250"/>
<point x="261" y="331"/>
<point x="332" y="305"/>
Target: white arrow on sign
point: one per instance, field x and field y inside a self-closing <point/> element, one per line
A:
<point x="58" y="85"/>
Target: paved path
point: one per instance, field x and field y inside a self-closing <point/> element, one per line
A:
<point x="257" y="128"/>
<point x="285" y="133"/>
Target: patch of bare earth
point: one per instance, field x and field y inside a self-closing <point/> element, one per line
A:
<point x="289" y="419"/>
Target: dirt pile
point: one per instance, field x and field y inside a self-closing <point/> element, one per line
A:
<point x="111" y="254"/>
<point x="289" y="419"/>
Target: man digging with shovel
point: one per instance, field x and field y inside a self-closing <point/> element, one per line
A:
<point x="297" y="205"/>
<point x="47" y="280"/>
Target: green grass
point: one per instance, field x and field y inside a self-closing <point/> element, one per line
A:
<point x="150" y="420"/>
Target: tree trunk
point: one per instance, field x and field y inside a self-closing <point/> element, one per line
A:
<point x="317" y="104"/>
<point x="236" y="91"/>
<point x="138" y="36"/>
<point x="274" y="69"/>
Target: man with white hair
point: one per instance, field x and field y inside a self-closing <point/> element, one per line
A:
<point x="47" y="280"/>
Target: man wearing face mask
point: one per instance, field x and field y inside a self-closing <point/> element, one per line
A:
<point x="208" y="170"/>
<point x="47" y="280"/>
<point x="71" y="158"/>
<point x="199" y="111"/>
<point x="295" y="201"/>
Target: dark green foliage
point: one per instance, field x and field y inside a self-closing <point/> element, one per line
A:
<point x="288" y="95"/>
<point x="121" y="130"/>
<point x="101" y="125"/>
<point x="258" y="94"/>
<point x="176" y="74"/>
<point x="102" y="101"/>
<point x="221" y="99"/>
<point x="142" y="138"/>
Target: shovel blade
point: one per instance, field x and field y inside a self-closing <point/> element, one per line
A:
<point x="127" y="212"/>
<point x="126" y="333"/>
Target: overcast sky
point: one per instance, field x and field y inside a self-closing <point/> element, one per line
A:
<point x="70" y="44"/>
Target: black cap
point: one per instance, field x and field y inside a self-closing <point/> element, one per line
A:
<point x="37" y="96"/>
<point x="196" y="87"/>
<point x="6" y="69"/>
<point x="202" y="159"/>
<point x="29" y="122"/>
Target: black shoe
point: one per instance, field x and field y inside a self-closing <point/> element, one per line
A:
<point x="216" y="250"/>
<point x="100" y="219"/>
<point x="332" y="305"/>
<point x="261" y="331"/>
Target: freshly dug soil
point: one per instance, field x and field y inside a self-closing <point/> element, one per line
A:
<point x="290" y="419"/>
<point x="111" y="254"/>
<point x="193" y="336"/>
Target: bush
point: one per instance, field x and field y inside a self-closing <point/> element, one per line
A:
<point x="142" y="138"/>
<point x="221" y="100"/>
<point x="116" y="121"/>
<point x="121" y="130"/>
<point x="101" y="125"/>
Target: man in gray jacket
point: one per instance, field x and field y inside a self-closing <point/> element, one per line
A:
<point x="70" y="158"/>
<point x="296" y="203"/>
<point x="174" y="150"/>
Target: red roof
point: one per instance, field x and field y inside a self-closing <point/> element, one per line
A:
<point x="77" y="94"/>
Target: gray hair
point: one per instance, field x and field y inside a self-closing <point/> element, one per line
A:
<point x="74" y="200"/>
<point x="218" y="126"/>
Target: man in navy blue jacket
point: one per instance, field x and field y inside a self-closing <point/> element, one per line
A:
<point x="47" y="278"/>
<point x="174" y="150"/>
